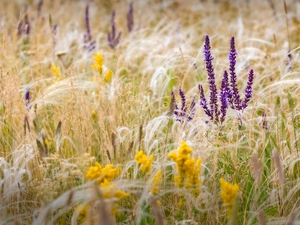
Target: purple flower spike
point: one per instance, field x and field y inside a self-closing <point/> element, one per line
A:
<point x="211" y="79"/>
<point x="27" y="25"/>
<point x="87" y="24"/>
<point x="27" y="98"/>
<point x="236" y="100"/>
<point x="248" y="89"/>
<point x="89" y="43"/>
<point x="183" y="101"/>
<point x="203" y="102"/>
<point x="192" y="110"/>
<point x="224" y="96"/>
<point x="112" y="39"/>
<point x="129" y="17"/>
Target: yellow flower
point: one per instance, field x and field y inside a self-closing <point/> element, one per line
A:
<point x="188" y="168"/>
<point x="145" y="162"/>
<point x="98" y="62"/>
<point x="228" y="194"/>
<point x="108" y="76"/>
<point x="156" y="182"/>
<point x="82" y="212"/>
<point x="109" y="191"/>
<point x="55" y="70"/>
<point x="103" y="175"/>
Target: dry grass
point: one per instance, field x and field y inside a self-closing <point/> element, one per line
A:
<point x="79" y="119"/>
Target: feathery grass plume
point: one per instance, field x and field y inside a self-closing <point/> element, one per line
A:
<point x="89" y="43"/>
<point x="112" y="39"/>
<point x="257" y="170"/>
<point x="279" y="167"/>
<point x="143" y="161"/>
<point x="157" y="211"/>
<point x="228" y="194"/>
<point x="129" y="17"/>
<point x="188" y="168"/>
<point x="261" y="218"/>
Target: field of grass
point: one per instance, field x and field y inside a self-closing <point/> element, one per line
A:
<point x="114" y="112"/>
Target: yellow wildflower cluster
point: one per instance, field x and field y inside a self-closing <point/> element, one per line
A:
<point x="55" y="70"/>
<point x="98" y="67"/>
<point x="228" y="194"/>
<point x="145" y="162"/>
<point x="188" y="168"/>
<point x="103" y="175"/>
<point x="156" y="182"/>
<point x="98" y="62"/>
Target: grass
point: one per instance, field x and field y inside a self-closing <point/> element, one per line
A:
<point x="77" y="118"/>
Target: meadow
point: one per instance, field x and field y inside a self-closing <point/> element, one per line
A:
<point x="150" y="112"/>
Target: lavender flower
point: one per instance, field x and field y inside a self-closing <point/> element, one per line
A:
<point x="224" y="96"/>
<point x="234" y="97"/>
<point x="89" y="43"/>
<point x="289" y="61"/>
<point x="27" y="25"/>
<point x="229" y="93"/>
<point x="129" y="17"/>
<point x="27" y="99"/>
<point x="211" y="80"/>
<point x="248" y="89"/>
<point x="192" y="110"/>
<point x="39" y="7"/>
<point x="183" y="101"/>
<point x="113" y="41"/>
<point x="181" y="114"/>
<point x="203" y="102"/>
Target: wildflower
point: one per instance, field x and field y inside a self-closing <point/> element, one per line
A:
<point x="188" y="168"/>
<point x="211" y="79"/>
<point x="98" y="63"/>
<point x="27" y="99"/>
<point x="229" y="93"/>
<point x="145" y="162"/>
<point x="228" y="194"/>
<point x="108" y="76"/>
<point x="82" y="212"/>
<point x="248" y="90"/>
<point x="55" y="70"/>
<point x="112" y="39"/>
<point x="129" y="17"/>
<point x="89" y="43"/>
<point x="103" y="174"/>
<point x="181" y="115"/>
<point x="234" y="97"/>
<point x="155" y="183"/>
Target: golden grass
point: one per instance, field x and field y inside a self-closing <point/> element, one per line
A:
<point x="80" y="118"/>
